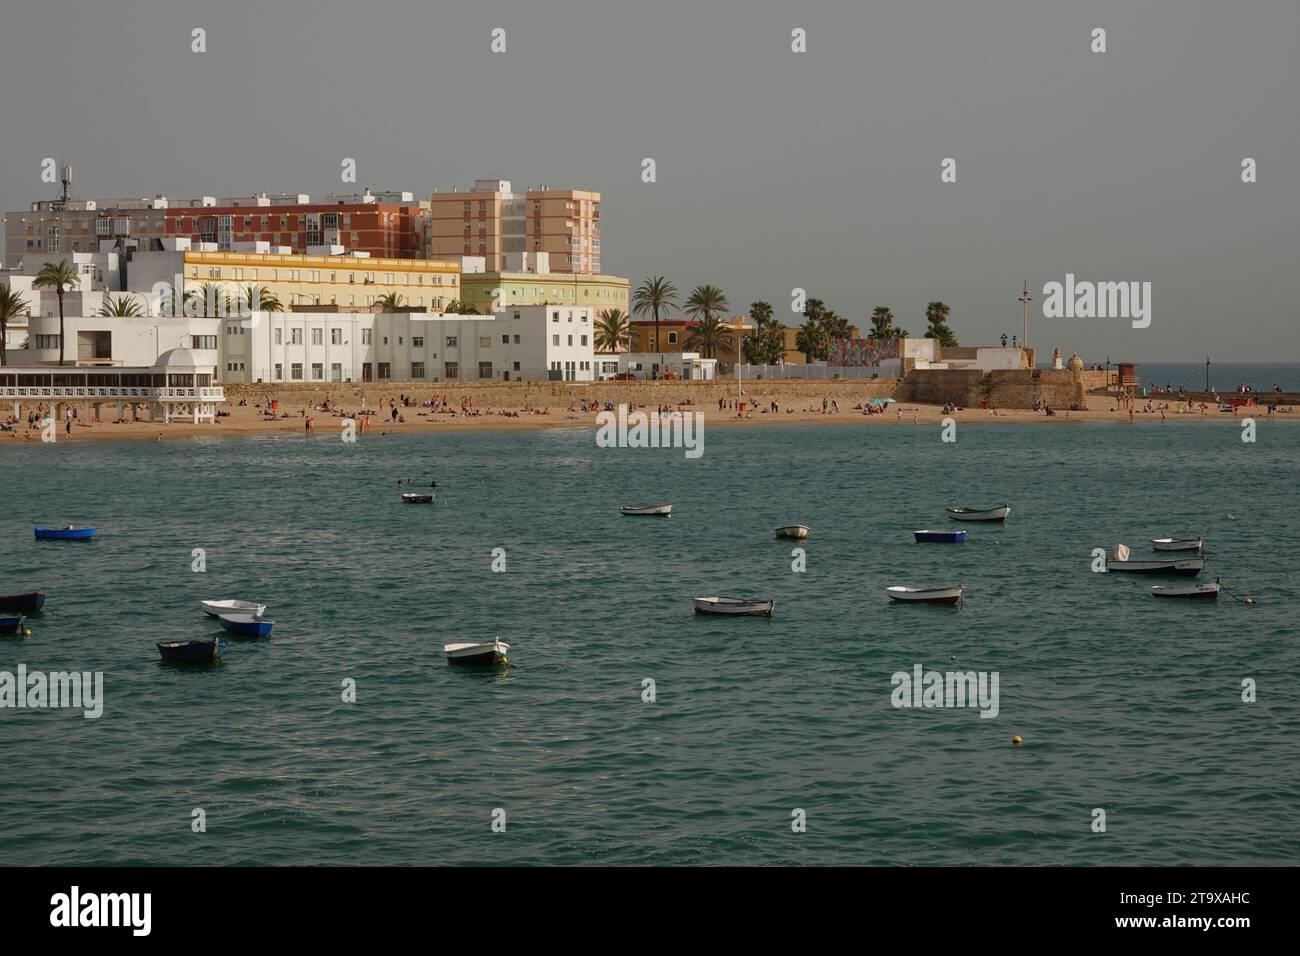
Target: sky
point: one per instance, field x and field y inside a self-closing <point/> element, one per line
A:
<point x="775" y="170"/>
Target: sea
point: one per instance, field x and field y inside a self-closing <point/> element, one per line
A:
<point x="1223" y="376"/>
<point x="626" y="729"/>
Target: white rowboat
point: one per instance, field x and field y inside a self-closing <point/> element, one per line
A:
<point x="649" y="511"/>
<point x="1176" y="544"/>
<point x="218" y="608"/>
<point x="735" y="606"/>
<point x="491" y="652"/>
<point x="1206" y="592"/>
<point x="798" y="531"/>
<point x="1118" y="560"/>
<point x="979" y="514"/>
<point x="950" y="595"/>
<point x="417" y="498"/>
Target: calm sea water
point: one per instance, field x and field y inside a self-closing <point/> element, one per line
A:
<point x="1224" y="376"/>
<point x="1124" y="702"/>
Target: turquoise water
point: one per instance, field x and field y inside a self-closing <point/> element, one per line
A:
<point x="1124" y="702"/>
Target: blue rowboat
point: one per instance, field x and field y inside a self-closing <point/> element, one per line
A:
<point x="943" y="537"/>
<point x="67" y="533"/>
<point x="190" y="652"/>
<point x="246" y="625"/>
<point x="23" y="603"/>
<point x="12" y="625"/>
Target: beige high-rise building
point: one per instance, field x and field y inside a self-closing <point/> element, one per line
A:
<point x="494" y="222"/>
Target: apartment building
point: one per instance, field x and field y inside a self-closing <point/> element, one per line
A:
<point x="492" y="221"/>
<point x="597" y="292"/>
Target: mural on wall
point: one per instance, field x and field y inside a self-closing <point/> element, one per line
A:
<point x="861" y="353"/>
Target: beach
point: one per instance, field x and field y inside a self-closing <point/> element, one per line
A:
<point x="530" y="405"/>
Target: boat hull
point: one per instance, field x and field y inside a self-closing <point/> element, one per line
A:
<point x="246" y="626"/>
<point x="1200" y="592"/>
<point x="1189" y="567"/>
<point x="925" y="595"/>
<point x="796" y="532"/>
<point x="1174" y="544"/>
<point x="412" y="498"/>
<point x="189" y="652"/>
<point x="11" y="625"/>
<point x="939" y="537"/>
<point x="653" y="511"/>
<point x="23" y="603"/>
<point x="734" y="607"/>
<point x="976" y="514"/>
<point x="64" y="534"/>
<point x="218" y="608"/>
<point x="492" y="652"/>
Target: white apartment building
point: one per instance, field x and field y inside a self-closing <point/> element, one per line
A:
<point x="521" y="343"/>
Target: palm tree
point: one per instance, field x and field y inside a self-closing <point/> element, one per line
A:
<point x="390" y="300"/>
<point x="707" y="334"/>
<point x="772" y="342"/>
<point x="882" y="322"/>
<point x="12" y="305"/>
<point x="210" y="296"/>
<point x="936" y="314"/>
<point x="655" y="294"/>
<point x="836" y="326"/>
<point x="706" y="301"/>
<point x="814" y="309"/>
<point x="121" y="307"/>
<point x="60" y="278"/>
<point x="812" y="340"/>
<point x="612" y="330"/>
<point x="258" y="298"/>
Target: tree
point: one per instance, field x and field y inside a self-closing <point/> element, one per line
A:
<point x="768" y="346"/>
<point x="882" y="323"/>
<point x="760" y="313"/>
<point x="835" y="325"/>
<point x="707" y="334"/>
<point x="60" y="278"/>
<point x="12" y="305"/>
<point x="258" y="298"/>
<point x="936" y="314"/>
<point x="613" y="329"/>
<point x="210" y="300"/>
<point x="706" y="301"/>
<point x="121" y="307"/>
<point x="453" y="307"/>
<point x="812" y="340"/>
<point x="390" y="300"/>
<point x="656" y="294"/>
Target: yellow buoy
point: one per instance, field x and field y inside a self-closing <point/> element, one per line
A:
<point x="1016" y="741"/>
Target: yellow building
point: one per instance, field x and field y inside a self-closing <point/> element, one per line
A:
<point x="428" y="285"/>
<point x="527" y="288"/>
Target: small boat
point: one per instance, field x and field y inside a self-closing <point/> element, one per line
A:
<point x="417" y="498"/>
<point x="944" y="537"/>
<point x="1204" y="592"/>
<point x="492" y="652"/>
<point x="66" y="533"/>
<point x="23" y="603"/>
<point x="190" y="652"/>
<point x="797" y="531"/>
<point x="1176" y="544"/>
<point x="649" y="511"/>
<point x="950" y="595"/>
<point x="218" y="608"/>
<point x="14" y="625"/>
<point x="246" y="625"/>
<point x="979" y="514"/>
<point x="1119" y="560"/>
<point x="750" y="607"/>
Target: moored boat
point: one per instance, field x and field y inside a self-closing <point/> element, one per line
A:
<point x="66" y="533"/>
<point x="489" y="652"/>
<point x="979" y="514"/>
<point x="949" y="595"/>
<point x="246" y="625"/>
<point x="942" y="537"/>
<point x="1119" y="560"/>
<point x="796" y="531"/>
<point x="743" y="607"/>
<point x="14" y="625"/>
<point x="1176" y="544"/>
<point x="190" y="652"/>
<point x="417" y="498"/>
<point x="1204" y="592"/>
<point x="217" y="608"/>
<point x="23" y="603"/>
<point x="647" y="511"/>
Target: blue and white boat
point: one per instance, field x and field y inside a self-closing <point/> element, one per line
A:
<point x="942" y="537"/>
<point x="191" y="652"/>
<point x="13" y="625"/>
<point x="66" y="533"/>
<point x="246" y="625"/>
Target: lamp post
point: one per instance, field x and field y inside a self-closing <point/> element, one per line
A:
<point x="1025" y="299"/>
<point x="1207" y="373"/>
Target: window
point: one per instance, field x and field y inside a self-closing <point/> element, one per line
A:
<point x="672" y="338"/>
<point x="46" y="341"/>
<point x="484" y="369"/>
<point x="516" y="366"/>
<point x="485" y="341"/>
<point x="505" y="340"/>
<point x="365" y="336"/>
<point x="295" y="371"/>
<point x="584" y="340"/>
<point x="417" y="341"/>
<point x="317" y="336"/>
<point x="203" y="341"/>
<point x="417" y="370"/>
<point x="555" y="340"/>
<point x="336" y="372"/>
<point x="295" y="336"/>
<point x="516" y="340"/>
<point x="317" y="372"/>
<point x="555" y="316"/>
<point x="570" y="340"/>
<point x="279" y="336"/>
<point x="336" y="337"/>
<point x="384" y="371"/>
<point x="451" y="369"/>
<point x="451" y="341"/>
<point x="279" y="372"/>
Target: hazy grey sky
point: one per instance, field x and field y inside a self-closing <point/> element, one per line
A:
<point x="776" y="169"/>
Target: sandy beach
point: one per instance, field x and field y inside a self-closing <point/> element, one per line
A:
<point x="518" y="405"/>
